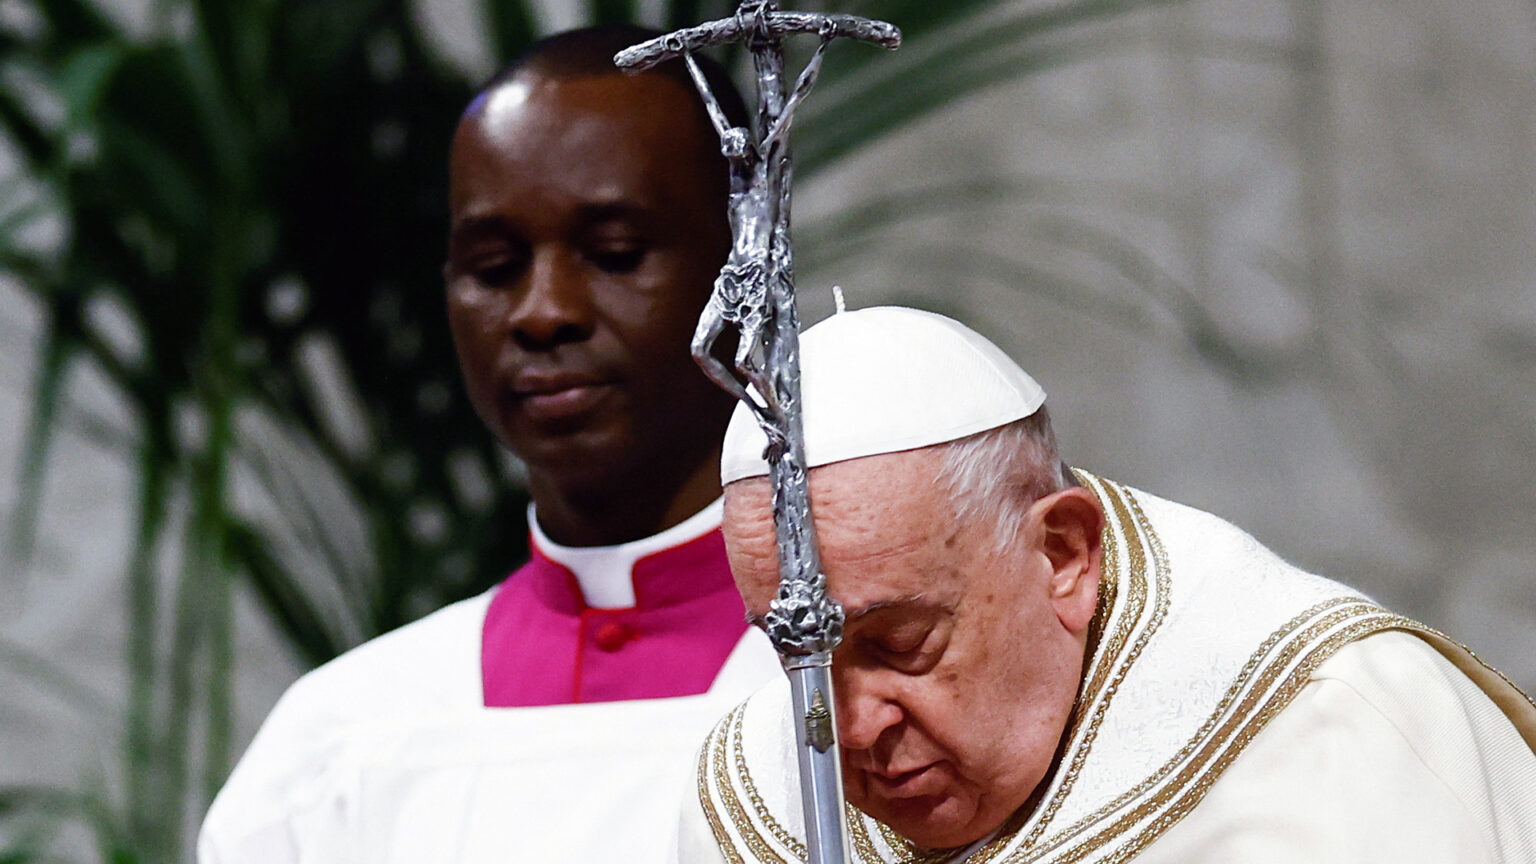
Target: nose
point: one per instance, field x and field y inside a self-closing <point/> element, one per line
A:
<point x="555" y="305"/>
<point x="864" y="709"/>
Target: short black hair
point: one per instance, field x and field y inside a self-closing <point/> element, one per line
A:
<point x="589" y="51"/>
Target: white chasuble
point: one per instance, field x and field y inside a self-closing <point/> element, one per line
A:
<point x="1233" y="709"/>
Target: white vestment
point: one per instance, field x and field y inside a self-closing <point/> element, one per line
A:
<point x="1233" y="709"/>
<point x="387" y="755"/>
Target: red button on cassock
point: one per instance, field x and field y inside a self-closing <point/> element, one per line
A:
<point x="611" y="635"/>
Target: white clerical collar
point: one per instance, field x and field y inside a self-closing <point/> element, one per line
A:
<point x="605" y="573"/>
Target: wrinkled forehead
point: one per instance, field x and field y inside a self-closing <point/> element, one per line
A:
<point x="876" y="512"/>
<point x="854" y="490"/>
<point x="747" y="519"/>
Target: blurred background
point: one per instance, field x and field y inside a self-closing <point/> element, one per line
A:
<point x="1272" y="258"/>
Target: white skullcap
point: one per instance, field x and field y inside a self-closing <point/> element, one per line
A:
<point x="887" y="379"/>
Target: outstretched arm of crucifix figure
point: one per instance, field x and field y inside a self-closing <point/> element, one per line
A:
<point x="711" y="104"/>
<point x="803" y="85"/>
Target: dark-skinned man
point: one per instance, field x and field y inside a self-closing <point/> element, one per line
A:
<point x="587" y="226"/>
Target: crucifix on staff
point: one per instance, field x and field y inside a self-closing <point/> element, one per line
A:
<point x="755" y="294"/>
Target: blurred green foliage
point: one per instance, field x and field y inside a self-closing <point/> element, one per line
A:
<point x="235" y="213"/>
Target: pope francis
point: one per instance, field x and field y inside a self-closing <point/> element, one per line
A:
<point x="1044" y="665"/>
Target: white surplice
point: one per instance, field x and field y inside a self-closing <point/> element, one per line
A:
<point x="387" y="755"/>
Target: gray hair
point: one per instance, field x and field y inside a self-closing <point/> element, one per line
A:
<point x="995" y="475"/>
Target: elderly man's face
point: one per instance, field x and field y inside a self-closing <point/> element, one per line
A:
<point x="960" y="663"/>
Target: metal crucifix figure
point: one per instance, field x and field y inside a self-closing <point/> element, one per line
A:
<point x="755" y="294"/>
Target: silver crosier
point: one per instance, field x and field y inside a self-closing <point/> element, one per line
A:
<point x="755" y="295"/>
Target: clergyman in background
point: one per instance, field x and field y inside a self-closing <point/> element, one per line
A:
<point x="552" y="717"/>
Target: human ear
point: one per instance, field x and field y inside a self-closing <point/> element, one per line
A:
<point x="1071" y="523"/>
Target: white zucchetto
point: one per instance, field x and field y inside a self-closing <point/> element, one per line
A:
<point x="887" y="379"/>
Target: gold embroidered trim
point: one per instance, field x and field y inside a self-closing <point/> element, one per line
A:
<point x="1178" y="807"/>
<point x="716" y="826"/>
<point x="750" y="836"/>
<point x="863" y="847"/>
<point x="1243" y="682"/>
<point x="1101" y="654"/>
<point x="1142" y="546"/>
<point x="1257" y="677"/>
<point x="739" y="751"/>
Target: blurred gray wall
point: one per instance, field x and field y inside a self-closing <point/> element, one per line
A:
<point x="1272" y="259"/>
<point x="1276" y="260"/>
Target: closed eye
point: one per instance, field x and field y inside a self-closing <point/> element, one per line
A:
<point x="911" y="651"/>
<point x="618" y="260"/>
<point x="497" y="271"/>
<point x="903" y="642"/>
<point x="486" y="250"/>
<point x="908" y="634"/>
